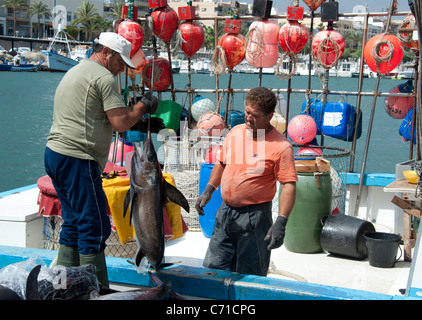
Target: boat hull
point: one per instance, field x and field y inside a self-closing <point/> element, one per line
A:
<point x="58" y="62"/>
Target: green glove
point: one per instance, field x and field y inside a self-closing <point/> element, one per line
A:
<point x="276" y="233"/>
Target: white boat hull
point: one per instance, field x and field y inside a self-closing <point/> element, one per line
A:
<point x="58" y="62"/>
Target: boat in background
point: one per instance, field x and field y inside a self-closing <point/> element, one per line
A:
<point x="19" y="64"/>
<point x="63" y="60"/>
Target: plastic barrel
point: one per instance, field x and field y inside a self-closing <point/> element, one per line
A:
<point x="207" y="220"/>
<point x="343" y="235"/>
<point x="313" y="201"/>
<point x="382" y="249"/>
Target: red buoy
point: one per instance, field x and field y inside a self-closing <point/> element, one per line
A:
<point x="234" y="48"/>
<point x="193" y="37"/>
<point x="328" y="46"/>
<point x="132" y="32"/>
<point x="398" y="107"/>
<point x="293" y="37"/>
<point x="165" y="24"/>
<point x="383" y="53"/>
<point x="313" y="4"/>
<point x="157" y="74"/>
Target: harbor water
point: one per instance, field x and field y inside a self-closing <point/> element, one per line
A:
<point x="26" y="108"/>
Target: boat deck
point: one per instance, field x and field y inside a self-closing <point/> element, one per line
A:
<point x="319" y="268"/>
<point x="320" y="272"/>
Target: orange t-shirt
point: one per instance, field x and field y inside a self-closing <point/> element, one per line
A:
<point x="252" y="167"/>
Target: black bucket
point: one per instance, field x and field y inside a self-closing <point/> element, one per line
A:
<point x="343" y="235"/>
<point x="382" y="249"/>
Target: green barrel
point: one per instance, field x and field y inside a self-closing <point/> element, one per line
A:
<point x="313" y="201"/>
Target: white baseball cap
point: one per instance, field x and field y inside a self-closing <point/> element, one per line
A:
<point x="119" y="44"/>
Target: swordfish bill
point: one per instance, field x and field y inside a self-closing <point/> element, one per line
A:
<point x="148" y="194"/>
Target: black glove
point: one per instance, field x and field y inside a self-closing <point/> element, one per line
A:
<point x="276" y="233"/>
<point x="150" y="102"/>
<point x="204" y="198"/>
<point x="157" y="124"/>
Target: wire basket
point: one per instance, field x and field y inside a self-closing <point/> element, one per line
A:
<point x="183" y="159"/>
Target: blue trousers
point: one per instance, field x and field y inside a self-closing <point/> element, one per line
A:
<point x="78" y="184"/>
<point x="237" y="243"/>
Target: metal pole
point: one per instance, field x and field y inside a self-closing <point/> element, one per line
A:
<point x="371" y="120"/>
<point x="359" y="96"/>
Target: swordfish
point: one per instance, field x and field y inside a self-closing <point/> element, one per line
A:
<point x="148" y="194"/>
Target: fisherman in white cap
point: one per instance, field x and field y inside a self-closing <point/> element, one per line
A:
<point x="87" y="108"/>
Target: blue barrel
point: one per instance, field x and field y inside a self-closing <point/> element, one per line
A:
<point x="234" y="117"/>
<point x="207" y="220"/>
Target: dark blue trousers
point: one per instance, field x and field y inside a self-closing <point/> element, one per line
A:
<point x="237" y="243"/>
<point x="78" y="184"/>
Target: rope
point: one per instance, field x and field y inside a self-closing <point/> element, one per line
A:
<point x="406" y="37"/>
<point x="278" y="69"/>
<point x="375" y="52"/>
<point x="218" y="63"/>
<point x="257" y="51"/>
<point x="322" y="49"/>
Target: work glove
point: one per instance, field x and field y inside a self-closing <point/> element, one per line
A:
<point x="157" y="124"/>
<point x="204" y="198"/>
<point x="276" y="233"/>
<point x="150" y="102"/>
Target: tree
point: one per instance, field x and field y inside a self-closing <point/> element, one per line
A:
<point x="85" y="15"/>
<point x="116" y="10"/>
<point x="39" y="9"/>
<point x="14" y="5"/>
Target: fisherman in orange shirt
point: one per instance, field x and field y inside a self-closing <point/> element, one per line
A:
<point x="254" y="157"/>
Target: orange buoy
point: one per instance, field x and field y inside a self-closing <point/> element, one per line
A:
<point x="383" y="53"/>
<point x="262" y="43"/>
<point x="157" y="74"/>
<point x="328" y="46"/>
<point x="165" y="23"/>
<point x="313" y="4"/>
<point x="293" y="37"/>
<point x="407" y="38"/>
<point x="234" y="48"/>
<point x="193" y="37"/>
<point x="132" y="32"/>
<point x="139" y="62"/>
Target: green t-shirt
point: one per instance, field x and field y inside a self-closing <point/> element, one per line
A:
<point x="80" y="126"/>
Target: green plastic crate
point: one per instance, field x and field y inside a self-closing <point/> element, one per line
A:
<point x="170" y="111"/>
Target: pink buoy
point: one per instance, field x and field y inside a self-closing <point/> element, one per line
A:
<point x="127" y="148"/>
<point x="302" y="129"/>
<point x="262" y="44"/>
<point x="132" y="32"/>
